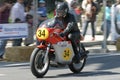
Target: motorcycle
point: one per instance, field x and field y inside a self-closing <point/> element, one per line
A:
<point x="54" y="48"/>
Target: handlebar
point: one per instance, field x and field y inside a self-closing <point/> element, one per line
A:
<point x="58" y="35"/>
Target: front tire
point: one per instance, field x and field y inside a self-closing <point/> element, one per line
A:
<point x="39" y="66"/>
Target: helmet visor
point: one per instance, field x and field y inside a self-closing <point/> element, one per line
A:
<point x="60" y="13"/>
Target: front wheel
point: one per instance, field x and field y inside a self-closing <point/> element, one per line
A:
<point x="39" y="66"/>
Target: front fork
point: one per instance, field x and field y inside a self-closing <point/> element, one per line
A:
<point x="47" y="51"/>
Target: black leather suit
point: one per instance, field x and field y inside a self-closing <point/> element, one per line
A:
<point x="71" y="30"/>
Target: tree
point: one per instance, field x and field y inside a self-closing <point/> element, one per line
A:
<point x="51" y="4"/>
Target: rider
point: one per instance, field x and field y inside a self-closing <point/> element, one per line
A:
<point x="70" y="28"/>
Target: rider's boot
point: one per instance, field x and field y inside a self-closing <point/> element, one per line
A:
<point x="84" y="54"/>
<point x="77" y="58"/>
<point x="80" y="56"/>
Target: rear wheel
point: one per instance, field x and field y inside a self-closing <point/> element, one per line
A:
<point x="77" y="67"/>
<point x="39" y="66"/>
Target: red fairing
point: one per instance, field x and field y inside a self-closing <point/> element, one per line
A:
<point x="41" y="46"/>
<point x="54" y="35"/>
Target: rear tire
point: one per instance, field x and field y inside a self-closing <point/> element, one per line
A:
<point x="38" y="67"/>
<point x="77" y="67"/>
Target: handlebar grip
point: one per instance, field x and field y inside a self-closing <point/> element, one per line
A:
<point x="58" y="35"/>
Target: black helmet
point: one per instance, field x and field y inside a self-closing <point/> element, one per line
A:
<point x="62" y="9"/>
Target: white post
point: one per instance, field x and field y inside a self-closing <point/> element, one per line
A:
<point x="35" y="18"/>
<point x="105" y="40"/>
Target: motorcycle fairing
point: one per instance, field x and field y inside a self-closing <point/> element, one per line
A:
<point x="63" y="52"/>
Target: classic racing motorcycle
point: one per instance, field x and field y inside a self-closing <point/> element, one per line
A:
<point x="54" y="48"/>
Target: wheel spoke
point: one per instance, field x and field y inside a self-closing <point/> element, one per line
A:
<point x="40" y="65"/>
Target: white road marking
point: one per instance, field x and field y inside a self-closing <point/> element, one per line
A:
<point x="2" y="74"/>
<point x="17" y="64"/>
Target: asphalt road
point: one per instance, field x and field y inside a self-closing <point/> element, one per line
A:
<point x="98" y="67"/>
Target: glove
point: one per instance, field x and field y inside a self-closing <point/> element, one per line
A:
<point x="62" y="34"/>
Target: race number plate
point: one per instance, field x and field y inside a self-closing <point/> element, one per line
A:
<point x="42" y="33"/>
<point x="67" y="54"/>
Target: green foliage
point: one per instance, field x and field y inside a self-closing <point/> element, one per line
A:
<point x="51" y="14"/>
<point x="80" y="1"/>
<point x="60" y="0"/>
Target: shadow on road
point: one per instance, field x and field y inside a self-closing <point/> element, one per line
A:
<point x="106" y="62"/>
<point x="83" y="74"/>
